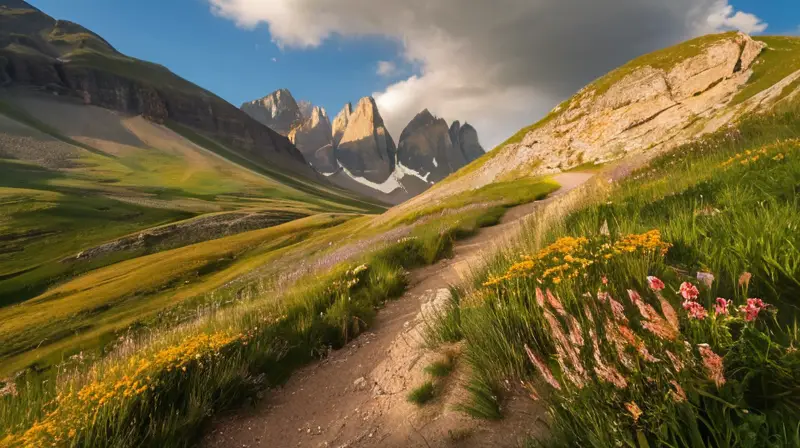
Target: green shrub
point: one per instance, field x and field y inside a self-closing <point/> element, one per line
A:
<point x="421" y="394"/>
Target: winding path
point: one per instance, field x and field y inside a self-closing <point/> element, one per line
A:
<point x="356" y="396"/>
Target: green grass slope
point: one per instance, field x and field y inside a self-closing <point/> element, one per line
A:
<point x="113" y="176"/>
<point x="648" y="365"/>
<point x="780" y="59"/>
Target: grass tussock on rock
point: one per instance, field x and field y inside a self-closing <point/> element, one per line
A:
<point x="662" y="313"/>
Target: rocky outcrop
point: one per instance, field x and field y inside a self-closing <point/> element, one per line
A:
<point x="278" y="111"/>
<point x="311" y="136"/>
<point x="426" y="147"/>
<point x="340" y="123"/>
<point x="366" y="149"/>
<point x="637" y="109"/>
<point x="65" y="58"/>
<point x="465" y="138"/>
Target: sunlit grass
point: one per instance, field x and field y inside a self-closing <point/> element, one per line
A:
<point x="726" y="206"/>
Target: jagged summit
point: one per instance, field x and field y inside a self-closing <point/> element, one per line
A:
<point x="366" y="149"/>
<point x="278" y="110"/>
<point x="340" y="122"/>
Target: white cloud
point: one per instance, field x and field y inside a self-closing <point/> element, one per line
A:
<point x="499" y="64"/>
<point x="274" y="59"/>
<point x="724" y="17"/>
<point x="386" y="69"/>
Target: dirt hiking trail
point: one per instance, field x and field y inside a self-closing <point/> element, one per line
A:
<point x="356" y="397"/>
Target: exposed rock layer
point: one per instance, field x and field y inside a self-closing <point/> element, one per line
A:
<point x="366" y="149"/>
<point x="66" y="58"/>
<point x="646" y="110"/>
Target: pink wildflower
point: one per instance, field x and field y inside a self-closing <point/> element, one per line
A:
<point x="753" y="307"/>
<point x="677" y="364"/>
<point x="605" y="280"/>
<point x="689" y="291"/>
<point x="539" y="297"/>
<point x="603" y="296"/>
<point x="619" y="344"/>
<point x="695" y="310"/>
<point x="542" y="368"/>
<point x="744" y="279"/>
<point x="575" y="333"/>
<point x="631" y="338"/>
<point x="555" y="303"/>
<point x="721" y="307"/>
<point x="606" y="373"/>
<point x="669" y="313"/>
<point x="661" y="329"/>
<point x="655" y="283"/>
<point x="564" y="350"/>
<point x="713" y="364"/>
<point x="618" y="310"/>
<point x="678" y="395"/>
<point x="705" y="278"/>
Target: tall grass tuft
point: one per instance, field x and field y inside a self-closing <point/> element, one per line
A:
<point x="661" y="311"/>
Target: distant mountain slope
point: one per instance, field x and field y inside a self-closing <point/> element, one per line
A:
<point x="647" y="106"/>
<point x="75" y="177"/>
<point x="66" y="58"/>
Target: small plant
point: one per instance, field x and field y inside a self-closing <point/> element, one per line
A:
<point x="441" y="368"/>
<point x="484" y="400"/>
<point x="422" y="394"/>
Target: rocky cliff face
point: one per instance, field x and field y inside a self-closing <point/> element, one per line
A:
<point x="366" y="149"/>
<point x="278" y="111"/>
<point x="426" y="146"/>
<point x="66" y="58"/>
<point x="313" y="135"/>
<point x="465" y="138"/>
<point x="645" y="107"/>
<point x="340" y="123"/>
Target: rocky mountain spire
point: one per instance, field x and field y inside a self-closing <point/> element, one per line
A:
<point x="340" y="122"/>
<point x="434" y="150"/>
<point x="278" y="111"/>
<point x="465" y="138"/>
<point x="313" y="134"/>
<point x="365" y="149"/>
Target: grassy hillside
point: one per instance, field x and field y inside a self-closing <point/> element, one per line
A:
<point x="622" y="359"/>
<point x="780" y="59"/>
<point x="207" y="364"/>
<point x="110" y="177"/>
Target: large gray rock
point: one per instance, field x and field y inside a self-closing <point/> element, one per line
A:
<point x="311" y="135"/>
<point x="366" y="149"/>
<point x="278" y="111"/>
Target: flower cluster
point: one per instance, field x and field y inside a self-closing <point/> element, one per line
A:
<point x="75" y="410"/>
<point x="570" y="257"/>
<point x="772" y="151"/>
<point x="752" y="309"/>
<point x="627" y="338"/>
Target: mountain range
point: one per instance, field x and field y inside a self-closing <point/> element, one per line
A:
<point x="357" y="152"/>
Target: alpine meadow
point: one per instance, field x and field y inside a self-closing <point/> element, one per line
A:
<point x="177" y="271"/>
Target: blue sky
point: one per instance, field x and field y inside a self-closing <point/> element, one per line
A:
<point x="454" y="73"/>
<point x="235" y="64"/>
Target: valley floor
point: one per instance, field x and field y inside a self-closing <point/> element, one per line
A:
<point x="357" y="395"/>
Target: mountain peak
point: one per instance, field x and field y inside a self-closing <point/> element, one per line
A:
<point x="340" y="122"/>
<point x="278" y="110"/>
